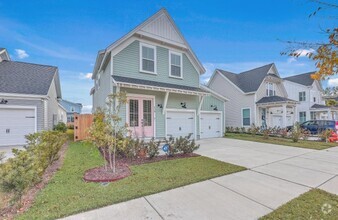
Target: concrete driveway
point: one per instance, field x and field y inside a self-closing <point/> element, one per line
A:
<point x="276" y="174"/>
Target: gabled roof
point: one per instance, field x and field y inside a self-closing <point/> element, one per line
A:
<point x="270" y="99"/>
<point x="249" y="81"/>
<point x="318" y="106"/>
<point x="27" y="78"/>
<point x="141" y="82"/>
<point x="146" y="29"/>
<point x="69" y="102"/>
<point x="303" y="79"/>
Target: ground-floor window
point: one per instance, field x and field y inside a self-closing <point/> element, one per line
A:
<point x="313" y="115"/>
<point x="70" y="118"/>
<point x="246" y="117"/>
<point x="302" y="117"/>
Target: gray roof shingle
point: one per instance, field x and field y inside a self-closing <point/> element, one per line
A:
<point x="248" y="81"/>
<point x="318" y="106"/>
<point x="25" y="78"/>
<point x="270" y="99"/>
<point x="303" y="79"/>
<point x="153" y="83"/>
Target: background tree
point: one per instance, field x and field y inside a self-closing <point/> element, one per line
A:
<point x="323" y="53"/>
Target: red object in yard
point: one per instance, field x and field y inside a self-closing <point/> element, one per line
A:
<point x="333" y="137"/>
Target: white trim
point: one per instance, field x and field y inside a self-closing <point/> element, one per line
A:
<point x="24" y="107"/>
<point x="165" y="102"/>
<point x="180" y="110"/>
<point x="156" y="88"/>
<point x="17" y="95"/>
<point x="141" y="58"/>
<point x="242" y="117"/>
<point x="200" y="105"/>
<point x="211" y="112"/>
<point x="181" y="67"/>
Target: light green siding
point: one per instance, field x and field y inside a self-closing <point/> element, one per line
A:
<point x="127" y="61"/>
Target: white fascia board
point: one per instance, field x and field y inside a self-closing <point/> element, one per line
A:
<point x="22" y="96"/>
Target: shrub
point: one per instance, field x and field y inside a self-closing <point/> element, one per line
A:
<point x="266" y="133"/>
<point x="243" y="130"/>
<point x="254" y="130"/>
<point x="172" y="146"/>
<point x="62" y="127"/>
<point x="153" y="148"/>
<point x="283" y="133"/>
<point x="2" y="156"/>
<point x="237" y="129"/>
<point x="296" y="133"/>
<point x="182" y="144"/>
<point x="26" y="168"/>
<point x="70" y="126"/>
<point x="305" y="134"/>
<point x="325" y="135"/>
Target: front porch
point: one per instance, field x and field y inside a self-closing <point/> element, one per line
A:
<point x="323" y="112"/>
<point x="275" y="111"/>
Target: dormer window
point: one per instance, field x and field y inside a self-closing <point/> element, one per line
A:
<point x="147" y="58"/>
<point x="270" y="89"/>
<point x="175" y="65"/>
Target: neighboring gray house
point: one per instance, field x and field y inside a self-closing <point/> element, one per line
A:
<point x="28" y="99"/>
<point x="160" y="73"/>
<point x="309" y="92"/>
<point x="71" y="108"/>
<point x="255" y="97"/>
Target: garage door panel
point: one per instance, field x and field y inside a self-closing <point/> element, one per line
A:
<point x="211" y="125"/>
<point x="16" y="123"/>
<point x="180" y="124"/>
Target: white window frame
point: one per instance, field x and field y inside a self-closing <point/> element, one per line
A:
<point x="313" y="115"/>
<point x="141" y="58"/>
<point x="181" y="57"/>
<point x="267" y="89"/>
<point x="304" y="116"/>
<point x="243" y="118"/>
<point x="302" y="96"/>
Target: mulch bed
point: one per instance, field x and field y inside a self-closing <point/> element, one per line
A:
<point x="100" y="174"/>
<point x="28" y="198"/>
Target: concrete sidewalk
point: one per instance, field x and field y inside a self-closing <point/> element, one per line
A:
<point x="276" y="175"/>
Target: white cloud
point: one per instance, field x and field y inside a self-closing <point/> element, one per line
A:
<point x="304" y="52"/>
<point x="332" y="82"/>
<point x="85" y="75"/>
<point x="87" y="109"/>
<point x="21" y="54"/>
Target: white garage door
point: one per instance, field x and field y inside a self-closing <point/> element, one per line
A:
<point x="211" y="125"/>
<point x="15" y="124"/>
<point x="180" y="123"/>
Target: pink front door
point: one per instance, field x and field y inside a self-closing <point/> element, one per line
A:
<point x="141" y="116"/>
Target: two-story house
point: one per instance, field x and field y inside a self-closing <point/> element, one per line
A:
<point x="71" y="108"/>
<point x="257" y="97"/>
<point x="309" y="94"/>
<point x="160" y="73"/>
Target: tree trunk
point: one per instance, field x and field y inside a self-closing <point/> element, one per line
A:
<point x="110" y="161"/>
<point x="104" y="157"/>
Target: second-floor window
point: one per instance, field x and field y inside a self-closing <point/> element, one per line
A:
<point x="270" y="89"/>
<point x="302" y="96"/>
<point x="175" y="65"/>
<point x="148" y="58"/>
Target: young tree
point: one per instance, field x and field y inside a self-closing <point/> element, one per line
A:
<point x="106" y="132"/>
<point x="324" y="54"/>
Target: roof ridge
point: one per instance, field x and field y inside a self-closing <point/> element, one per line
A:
<point x="257" y="68"/>
<point x="299" y="74"/>
<point x="30" y="63"/>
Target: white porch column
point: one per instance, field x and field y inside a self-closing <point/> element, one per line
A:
<point x="284" y="115"/>
<point x="329" y="114"/>
<point x="295" y="114"/>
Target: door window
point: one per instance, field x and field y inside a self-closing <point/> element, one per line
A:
<point x="147" y="113"/>
<point x="133" y="113"/>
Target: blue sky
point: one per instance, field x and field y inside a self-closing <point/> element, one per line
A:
<point x="232" y="35"/>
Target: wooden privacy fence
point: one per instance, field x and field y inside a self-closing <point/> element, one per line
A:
<point x="81" y="125"/>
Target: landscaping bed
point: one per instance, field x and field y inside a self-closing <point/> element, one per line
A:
<point x="318" y="145"/>
<point x="315" y="204"/>
<point x="68" y="194"/>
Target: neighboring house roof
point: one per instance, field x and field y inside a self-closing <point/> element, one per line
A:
<point x="214" y="93"/>
<point x="71" y="106"/>
<point x="303" y="79"/>
<point x="27" y="78"/>
<point x="270" y="99"/>
<point x="121" y="79"/>
<point x="249" y="81"/>
<point x="318" y="106"/>
<point x="143" y="30"/>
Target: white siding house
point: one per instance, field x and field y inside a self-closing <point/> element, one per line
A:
<point x="308" y="92"/>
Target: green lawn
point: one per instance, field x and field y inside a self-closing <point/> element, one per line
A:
<point x="315" y="204"/>
<point x="67" y="193"/>
<point x="282" y="141"/>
